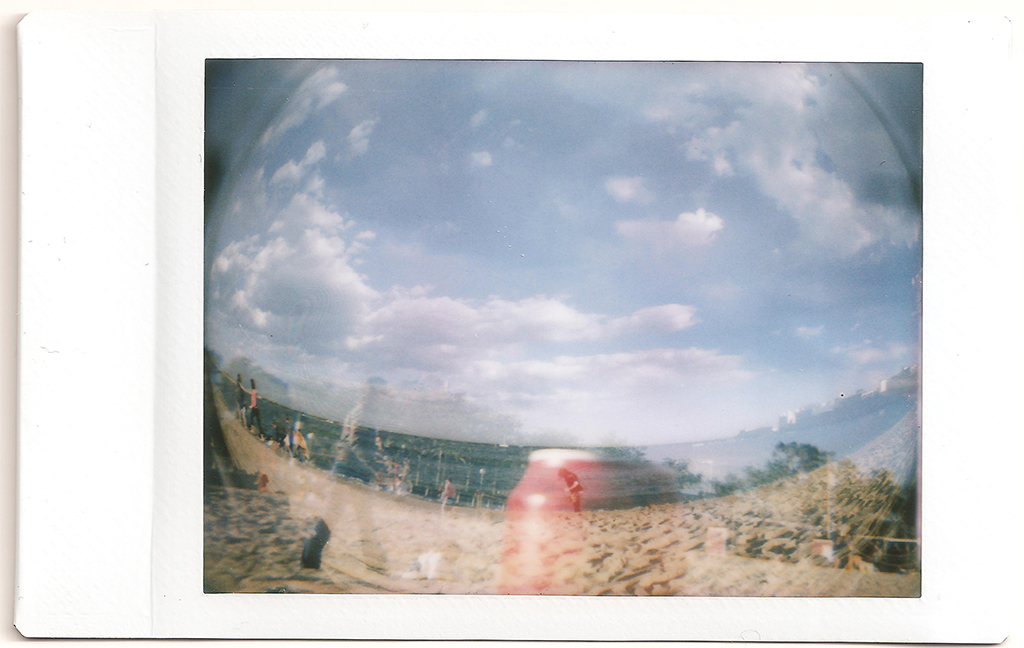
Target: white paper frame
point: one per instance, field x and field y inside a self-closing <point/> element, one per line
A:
<point x="131" y="144"/>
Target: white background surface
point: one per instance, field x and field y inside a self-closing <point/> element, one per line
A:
<point x="973" y="321"/>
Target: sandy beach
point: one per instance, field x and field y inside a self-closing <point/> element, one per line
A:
<point x="754" y="544"/>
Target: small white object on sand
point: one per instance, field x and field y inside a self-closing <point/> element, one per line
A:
<point x="429" y="564"/>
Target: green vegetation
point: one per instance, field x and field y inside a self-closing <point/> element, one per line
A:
<point x="788" y="459"/>
<point x="728" y="486"/>
<point x="681" y="472"/>
<point x="622" y="453"/>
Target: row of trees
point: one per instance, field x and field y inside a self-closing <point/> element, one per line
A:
<point x="788" y="459"/>
<point x="681" y="473"/>
<point x="679" y="470"/>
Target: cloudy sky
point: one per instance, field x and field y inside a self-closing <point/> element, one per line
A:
<point x="645" y="252"/>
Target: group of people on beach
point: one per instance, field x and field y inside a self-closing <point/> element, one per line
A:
<point x="287" y="436"/>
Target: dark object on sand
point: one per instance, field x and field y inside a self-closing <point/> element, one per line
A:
<point x="314" y="546"/>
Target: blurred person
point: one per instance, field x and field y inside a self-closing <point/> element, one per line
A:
<point x="254" y="408"/>
<point x="447" y="494"/>
<point x="289" y="436"/>
<point x="572" y="487"/>
<point x="275" y="430"/>
<point x="301" y="448"/>
<point x="542" y="551"/>
<point x="240" y="410"/>
<point x="297" y="440"/>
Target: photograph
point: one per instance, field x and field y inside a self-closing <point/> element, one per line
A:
<point x="562" y="327"/>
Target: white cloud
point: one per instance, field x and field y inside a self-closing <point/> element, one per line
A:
<point x="300" y="291"/>
<point x="432" y="333"/>
<point x="868" y="353"/>
<point x="306" y="211"/>
<point x="315" y="185"/>
<point x="316" y="92"/>
<point x="477" y="120"/>
<point x="411" y="330"/>
<point x="809" y="331"/>
<point x="292" y="171"/>
<point x="404" y="329"/>
<point x="624" y="189"/>
<point x="289" y="171"/>
<point x="773" y="137"/>
<point x="306" y="265"/>
<point x="614" y="384"/>
<point x="234" y="255"/>
<point x="668" y="318"/>
<point x="252" y="315"/>
<point x="722" y="165"/>
<point x="690" y="228"/>
<point x="359" y="137"/>
<point x="305" y="292"/>
<point x="480" y="159"/>
<point x="414" y="317"/>
<point x="316" y="152"/>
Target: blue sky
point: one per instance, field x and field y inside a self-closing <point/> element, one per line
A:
<point x="630" y="252"/>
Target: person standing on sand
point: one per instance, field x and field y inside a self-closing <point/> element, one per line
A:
<point x="254" y="408"/>
<point x="295" y="440"/>
<point x="300" y="445"/>
<point x="572" y="487"/>
<point x="241" y="401"/>
<point x="275" y="429"/>
<point x="447" y="494"/>
<point x="289" y="436"/>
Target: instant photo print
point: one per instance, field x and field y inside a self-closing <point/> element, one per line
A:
<point x="418" y="325"/>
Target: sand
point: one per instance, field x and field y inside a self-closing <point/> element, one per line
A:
<point x="384" y="543"/>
